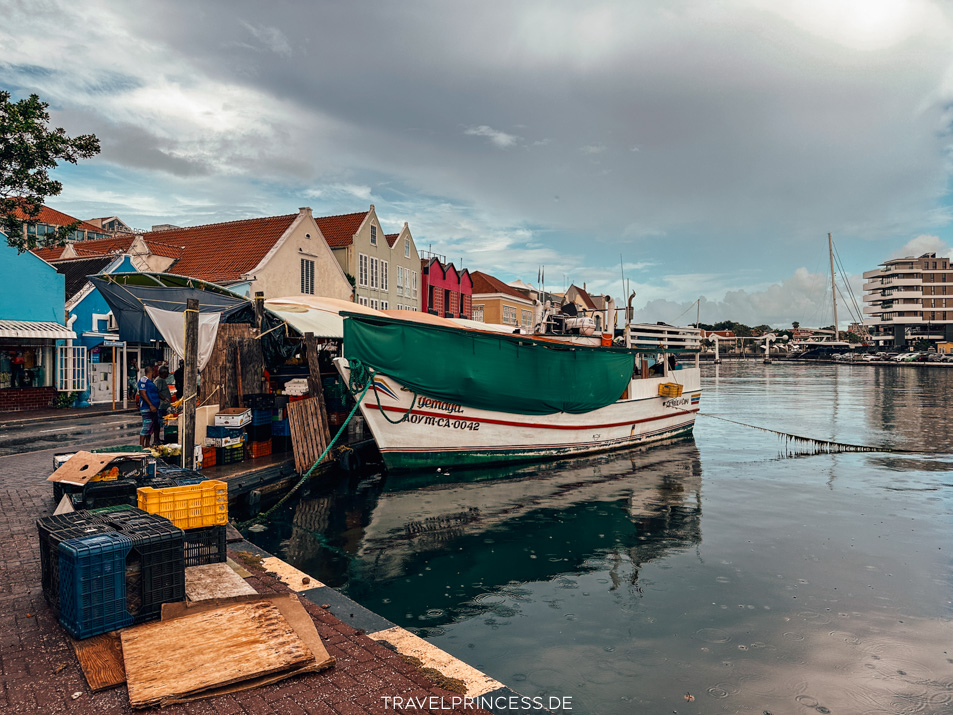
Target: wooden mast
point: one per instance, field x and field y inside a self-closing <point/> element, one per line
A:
<point x="830" y="249"/>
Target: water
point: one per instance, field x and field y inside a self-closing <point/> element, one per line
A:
<point x="710" y="568"/>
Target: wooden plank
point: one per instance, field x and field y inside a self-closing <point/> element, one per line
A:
<point x="209" y="581"/>
<point x="189" y="657"/>
<point x="316" y="386"/>
<point x="305" y="438"/>
<point x="100" y="657"/>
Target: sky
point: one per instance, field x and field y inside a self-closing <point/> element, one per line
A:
<point x="702" y="150"/>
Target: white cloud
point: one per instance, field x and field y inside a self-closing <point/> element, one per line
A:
<point x="500" y="139"/>
<point x="593" y="149"/>
<point x="924" y="243"/>
<point x="271" y="37"/>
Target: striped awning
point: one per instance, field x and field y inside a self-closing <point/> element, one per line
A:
<point x="34" y="329"/>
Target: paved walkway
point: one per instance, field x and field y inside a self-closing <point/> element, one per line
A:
<point x="40" y="673"/>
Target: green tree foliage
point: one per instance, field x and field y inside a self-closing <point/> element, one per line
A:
<point x="29" y="149"/>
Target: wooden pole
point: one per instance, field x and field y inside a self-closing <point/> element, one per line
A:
<point x="259" y="308"/>
<point x="189" y="381"/>
<point x="316" y="388"/>
<point x="238" y="373"/>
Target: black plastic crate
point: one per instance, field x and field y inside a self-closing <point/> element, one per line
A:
<point x="207" y="545"/>
<point x="54" y="530"/>
<point x="155" y="566"/>
<point x="61" y="488"/>
<point x="259" y="401"/>
<point x="92" y="577"/>
<point x="259" y="433"/>
<point x="189" y="481"/>
<point x="110" y="493"/>
<point x="230" y="455"/>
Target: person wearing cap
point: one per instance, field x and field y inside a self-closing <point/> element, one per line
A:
<point x="179" y="376"/>
<point x="165" y="399"/>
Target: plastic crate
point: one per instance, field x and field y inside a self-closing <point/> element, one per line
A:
<point x="155" y="566"/>
<point x="119" y="491"/>
<point x="262" y="417"/>
<point x="219" y="432"/>
<point x="92" y="572"/>
<point x="208" y="457"/>
<point x="54" y="530"/>
<point x="205" y="546"/>
<point x="260" y="449"/>
<point x="60" y="489"/>
<point x="189" y="481"/>
<point x="281" y="428"/>
<point x="259" y="433"/>
<point x="188" y="507"/>
<point x="230" y="455"/>
<point x="670" y="389"/>
<point x="103" y="510"/>
<point x="280" y="444"/>
<point x="259" y="401"/>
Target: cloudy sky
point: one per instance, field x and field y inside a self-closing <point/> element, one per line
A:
<point x="705" y="148"/>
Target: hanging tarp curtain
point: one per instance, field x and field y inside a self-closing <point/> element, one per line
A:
<point x="172" y="326"/>
<point x="489" y="371"/>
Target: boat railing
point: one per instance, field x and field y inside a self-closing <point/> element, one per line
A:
<point x="664" y="337"/>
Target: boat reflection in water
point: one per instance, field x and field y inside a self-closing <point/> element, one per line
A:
<point x="425" y="550"/>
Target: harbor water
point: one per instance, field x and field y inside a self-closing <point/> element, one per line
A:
<point x="720" y="574"/>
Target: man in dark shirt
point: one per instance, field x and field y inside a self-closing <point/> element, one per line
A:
<point x="179" y="377"/>
<point x="165" y="399"/>
<point x="148" y="408"/>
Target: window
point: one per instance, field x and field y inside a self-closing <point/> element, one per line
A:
<point x="406" y="248"/>
<point x="71" y="369"/>
<point x="400" y="281"/>
<point x="509" y="315"/>
<point x="383" y="305"/>
<point x="362" y="270"/>
<point x="361" y="300"/>
<point x="307" y="276"/>
<point x="526" y="318"/>
<point x="375" y="304"/>
<point x="373" y="235"/>
<point x="478" y="313"/>
<point x="374" y="273"/>
<point x="384" y="279"/>
<point x="413" y="283"/>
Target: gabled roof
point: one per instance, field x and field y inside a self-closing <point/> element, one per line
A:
<point x="57" y="218"/>
<point x="586" y="298"/>
<point x="222" y="252"/>
<point x="76" y="271"/>
<point x="104" y="246"/>
<point x="391" y="238"/>
<point x="339" y="231"/>
<point x="485" y="283"/>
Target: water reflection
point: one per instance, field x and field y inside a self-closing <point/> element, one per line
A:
<point x="392" y="545"/>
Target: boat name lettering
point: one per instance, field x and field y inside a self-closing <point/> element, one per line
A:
<point x="443" y="422"/>
<point x="424" y="402"/>
<point x="676" y="402"/>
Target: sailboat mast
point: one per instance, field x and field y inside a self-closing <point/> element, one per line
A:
<point x="830" y="249"/>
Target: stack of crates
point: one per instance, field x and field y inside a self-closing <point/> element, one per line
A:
<point x="92" y="582"/>
<point x="281" y="435"/>
<point x="259" y="432"/>
<point x="230" y="455"/>
<point x="201" y="510"/>
<point x="53" y="531"/>
<point x="209" y="457"/>
<point x="155" y="566"/>
<point x="228" y="442"/>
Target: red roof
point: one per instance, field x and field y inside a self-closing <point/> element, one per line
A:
<point x="57" y="218"/>
<point x="586" y="298"/>
<point x="49" y="254"/>
<point x="103" y="246"/>
<point x="485" y="283"/>
<point x="391" y="238"/>
<point x="339" y="231"/>
<point x="222" y="252"/>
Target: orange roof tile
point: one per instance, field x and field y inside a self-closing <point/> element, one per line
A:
<point x="223" y="252"/>
<point x="58" y="218"/>
<point x="586" y="298"/>
<point x="49" y="254"/>
<point x="103" y="246"/>
<point x="339" y="231"/>
<point x="485" y="283"/>
<point x="391" y="238"/>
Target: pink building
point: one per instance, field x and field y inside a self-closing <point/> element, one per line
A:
<point x="446" y="291"/>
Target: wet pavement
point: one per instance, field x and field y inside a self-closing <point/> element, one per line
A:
<point x="63" y="430"/>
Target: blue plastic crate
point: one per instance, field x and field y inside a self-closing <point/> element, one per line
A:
<point x="188" y="481"/>
<point x="262" y="417"/>
<point x="219" y="432"/>
<point x="281" y="428"/>
<point x="93" y="584"/>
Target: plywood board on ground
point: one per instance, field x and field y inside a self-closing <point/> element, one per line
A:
<point x="100" y="657"/>
<point x="209" y="581"/>
<point x="80" y="468"/>
<point x="193" y="656"/>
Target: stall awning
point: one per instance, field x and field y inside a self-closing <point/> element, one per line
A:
<point x="315" y="314"/>
<point x="34" y="329"/>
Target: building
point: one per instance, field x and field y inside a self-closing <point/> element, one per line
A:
<point x="910" y="299"/>
<point x="446" y="291"/>
<point x="49" y="220"/>
<point x="590" y="305"/>
<point x="496" y="302"/>
<point x="112" y="225"/>
<point x="280" y="256"/>
<point x="32" y="321"/>
<point x="145" y="253"/>
<point x="385" y="268"/>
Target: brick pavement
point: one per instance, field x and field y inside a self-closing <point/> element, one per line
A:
<point x="40" y="673"/>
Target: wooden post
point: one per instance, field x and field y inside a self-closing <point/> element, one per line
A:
<point x="238" y="373"/>
<point x="259" y="308"/>
<point x="189" y="381"/>
<point x="316" y="388"/>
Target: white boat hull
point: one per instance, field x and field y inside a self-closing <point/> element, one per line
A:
<point x="443" y="434"/>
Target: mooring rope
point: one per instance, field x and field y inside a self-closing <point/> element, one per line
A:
<point x="810" y="445"/>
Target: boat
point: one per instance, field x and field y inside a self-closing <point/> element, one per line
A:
<point x="439" y="394"/>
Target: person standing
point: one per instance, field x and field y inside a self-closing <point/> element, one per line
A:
<point x="165" y="399"/>
<point x="19" y="368"/>
<point x="132" y="378"/>
<point x="148" y="408"/>
<point x="179" y="376"/>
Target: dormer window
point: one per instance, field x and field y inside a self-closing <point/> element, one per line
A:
<point x="373" y="235"/>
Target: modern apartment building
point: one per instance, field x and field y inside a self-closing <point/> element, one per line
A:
<point x="910" y="299"/>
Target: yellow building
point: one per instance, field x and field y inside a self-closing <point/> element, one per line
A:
<point x="497" y="303"/>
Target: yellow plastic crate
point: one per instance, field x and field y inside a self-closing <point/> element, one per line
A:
<point x="670" y="389"/>
<point x="188" y="507"/>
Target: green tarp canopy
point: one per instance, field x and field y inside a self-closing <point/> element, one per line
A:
<point x="507" y="373"/>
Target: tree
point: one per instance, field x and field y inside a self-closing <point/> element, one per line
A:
<point x="29" y="149"/>
<point x="795" y="325"/>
